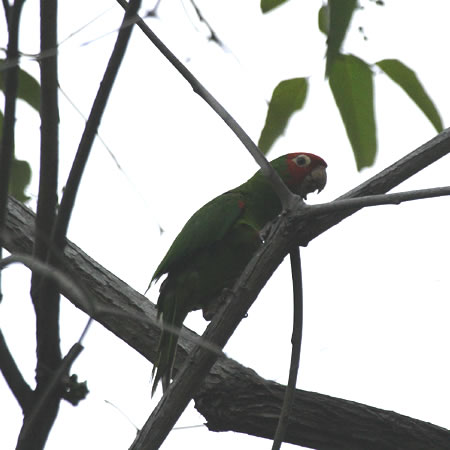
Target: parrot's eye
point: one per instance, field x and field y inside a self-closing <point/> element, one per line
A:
<point x="302" y="160"/>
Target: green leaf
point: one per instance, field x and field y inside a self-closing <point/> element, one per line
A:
<point x="29" y="88"/>
<point x="288" y="97"/>
<point x="352" y="87"/>
<point x="408" y="81"/>
<point x="340" y="13"/>
<point x="323" y="19"/>
<point x="267" y="5"/>
<point x="19" y="180"/>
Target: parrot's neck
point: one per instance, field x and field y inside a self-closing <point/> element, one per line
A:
<point x="263" y="204"/>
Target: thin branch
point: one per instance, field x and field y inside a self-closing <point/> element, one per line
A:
<point x="283" y="192"/>
<point x="92" y="124"/>
<point x="11" y="78"/>
<point x="374" y="200"/>
<point x="16" y="382"/>
<point x="63" y="281"/>
<point x="297" y="331"/>
<point x="212" y="34"/>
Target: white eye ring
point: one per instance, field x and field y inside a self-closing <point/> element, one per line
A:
<point x="302" y="160"/>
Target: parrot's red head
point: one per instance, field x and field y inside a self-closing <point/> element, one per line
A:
<point x="305" y="173"/>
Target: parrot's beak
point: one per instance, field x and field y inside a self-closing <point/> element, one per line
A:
<point x="315" y="181"/>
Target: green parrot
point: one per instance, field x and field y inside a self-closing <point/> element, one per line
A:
<point x="216" y="244"/>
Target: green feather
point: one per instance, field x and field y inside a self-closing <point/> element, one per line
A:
<point x="210" y="253"/>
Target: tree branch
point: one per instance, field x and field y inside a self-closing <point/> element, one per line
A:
<point x="109" y="292"/>
<point x="297" y="332"/>
<point x="46" y="302"/>
<point x="19" y="387"/>
<point x="316" y="419"/>
<point x="283" y="192"/>
<point x="12" y="13"/>
<point x="286" y="231"/>
<point x="92" y="124"/>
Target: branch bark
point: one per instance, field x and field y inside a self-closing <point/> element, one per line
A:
<point x="335" y="414"/>
<point x="287" y="230"/>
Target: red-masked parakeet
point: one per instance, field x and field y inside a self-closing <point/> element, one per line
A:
<point x="216" y="244"/>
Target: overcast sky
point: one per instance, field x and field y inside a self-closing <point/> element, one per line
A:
<point x="376" y="286"/>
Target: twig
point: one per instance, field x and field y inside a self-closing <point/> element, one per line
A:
<point x="212" y="34"/>
<point x="373" y="200"/>
<point x="283" y="192"/>
<point x="297" y="331"/>
<point x="16" y="382"/>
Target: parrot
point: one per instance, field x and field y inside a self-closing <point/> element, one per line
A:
<point x="216" y="244"/>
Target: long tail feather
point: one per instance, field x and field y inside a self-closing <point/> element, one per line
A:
<point x="173" y="315"/>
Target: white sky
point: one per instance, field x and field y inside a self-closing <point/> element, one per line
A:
<point x="376" y="286"/>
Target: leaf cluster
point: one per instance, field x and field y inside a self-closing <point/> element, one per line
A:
<point x="351" y="80"/>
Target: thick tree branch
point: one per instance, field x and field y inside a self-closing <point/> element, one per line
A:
<point x="285" y="232"/>
<point x="110" y="292"/>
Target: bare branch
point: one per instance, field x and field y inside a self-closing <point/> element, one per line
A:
<point x="16" y="382"/>
<point x="92" y="124"/>
<point x="374" y="200"/>
<point x="46" y="301"/>
<point x="283" y="192"/>
<point x="297" y="331"/>
<point x="11" y="77"/>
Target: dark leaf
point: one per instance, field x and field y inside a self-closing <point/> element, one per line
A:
<point x="352" y="86"/>
<point x="288" y="97"/>
<point x="408" y="81"/>
<point x="29" y="88"/>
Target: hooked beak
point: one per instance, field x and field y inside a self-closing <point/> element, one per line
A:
<point x="314" y="181"/>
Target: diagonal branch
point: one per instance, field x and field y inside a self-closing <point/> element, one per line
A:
<point x="110" y="292"/>
<point x="251" y="404"/>
<point x="19" y="387"/>
<point x="287" y="230"/>
<point x="92" y="124"/>
<point x="283" y="192"/>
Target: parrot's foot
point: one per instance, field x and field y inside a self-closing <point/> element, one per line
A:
<point x="212" y="308"/>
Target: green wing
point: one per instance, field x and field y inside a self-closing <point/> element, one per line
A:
<point x="208" y="225"/>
